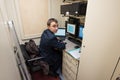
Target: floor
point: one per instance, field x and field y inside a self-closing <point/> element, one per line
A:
<point x="39" y="76"/>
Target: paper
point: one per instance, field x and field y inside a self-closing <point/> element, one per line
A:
<point x="75" y="53"/>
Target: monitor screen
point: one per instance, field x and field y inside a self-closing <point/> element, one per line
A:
<point x="60" y="32"/>
<point x="80" y="32"/>
<point x="71" y="28"/>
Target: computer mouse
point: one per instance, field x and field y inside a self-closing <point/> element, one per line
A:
<point x="77" y="47"/>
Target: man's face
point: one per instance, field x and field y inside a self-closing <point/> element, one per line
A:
<point x="53" y="27"/>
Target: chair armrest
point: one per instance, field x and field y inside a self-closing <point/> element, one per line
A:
<point x="34" y="59"/>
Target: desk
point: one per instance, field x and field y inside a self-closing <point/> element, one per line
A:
<point x="70" y="61"/>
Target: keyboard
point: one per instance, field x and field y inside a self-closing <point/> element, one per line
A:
<point x="75" y="41"/>
<point x="62" y="38"/>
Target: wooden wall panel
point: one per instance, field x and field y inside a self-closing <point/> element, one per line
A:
<point x="34" y="15"/>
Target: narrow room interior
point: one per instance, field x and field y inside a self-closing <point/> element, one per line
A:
<point x="59" y="40"/>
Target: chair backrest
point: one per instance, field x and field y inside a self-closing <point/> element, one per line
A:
<point x="24" y="52"/>
<point x="32" y="48"/>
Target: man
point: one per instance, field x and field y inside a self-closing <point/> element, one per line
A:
<point x="50" y="47"/>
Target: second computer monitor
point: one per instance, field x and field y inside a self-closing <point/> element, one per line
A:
<point x="80" y="35"/>
<point x="71" y="28"/>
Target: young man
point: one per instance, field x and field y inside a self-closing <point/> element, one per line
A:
<point x="50" y="47"/>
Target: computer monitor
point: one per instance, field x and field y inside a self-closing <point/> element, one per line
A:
<point x="60" y="32"/>
<point x="80" y="33"/>
<point x="71" y="28"/>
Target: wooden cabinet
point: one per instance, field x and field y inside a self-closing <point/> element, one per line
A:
<point x="69" y="67"/>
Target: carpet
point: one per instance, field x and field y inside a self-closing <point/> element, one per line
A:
<point x="39" y="76"/>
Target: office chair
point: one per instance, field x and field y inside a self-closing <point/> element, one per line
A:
<point x="33" y="64"/>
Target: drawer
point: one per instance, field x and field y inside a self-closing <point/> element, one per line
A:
<point x="70" y="63"/>
<point x="71" y="67"/>
<point x="68" y="74"/>
<point x="65" y="78"/>
<point x="69" y="71"/>
<point x="72" y="60"/>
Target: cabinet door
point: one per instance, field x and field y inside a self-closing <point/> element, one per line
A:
<point x="116" y="75"/>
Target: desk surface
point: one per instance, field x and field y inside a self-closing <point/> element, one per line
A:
<point x="70" y="49"/>
<point x="70" y="45"/>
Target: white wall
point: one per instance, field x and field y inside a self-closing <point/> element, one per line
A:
<point x="33" y="15"/>
<point x="54" y="11"/>
<point x="101" y="40"/>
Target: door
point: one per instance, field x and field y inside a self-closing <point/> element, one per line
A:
<point x="116" y="75"/>
<point x="8" y="66"/>
<point x="11" y="66"/>
<point x="101" y="41"/>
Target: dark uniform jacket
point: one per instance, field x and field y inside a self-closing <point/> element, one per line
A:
<point x="51" y="48"/>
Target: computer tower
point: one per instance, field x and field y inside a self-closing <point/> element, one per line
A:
<point x="75" y="9"/>
<point x="78" y="8"/>
<point x="65" y="8"/>
<point x="83" y="9"/>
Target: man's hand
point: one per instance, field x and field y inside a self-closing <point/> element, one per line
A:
<point x="64" y="42"/>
